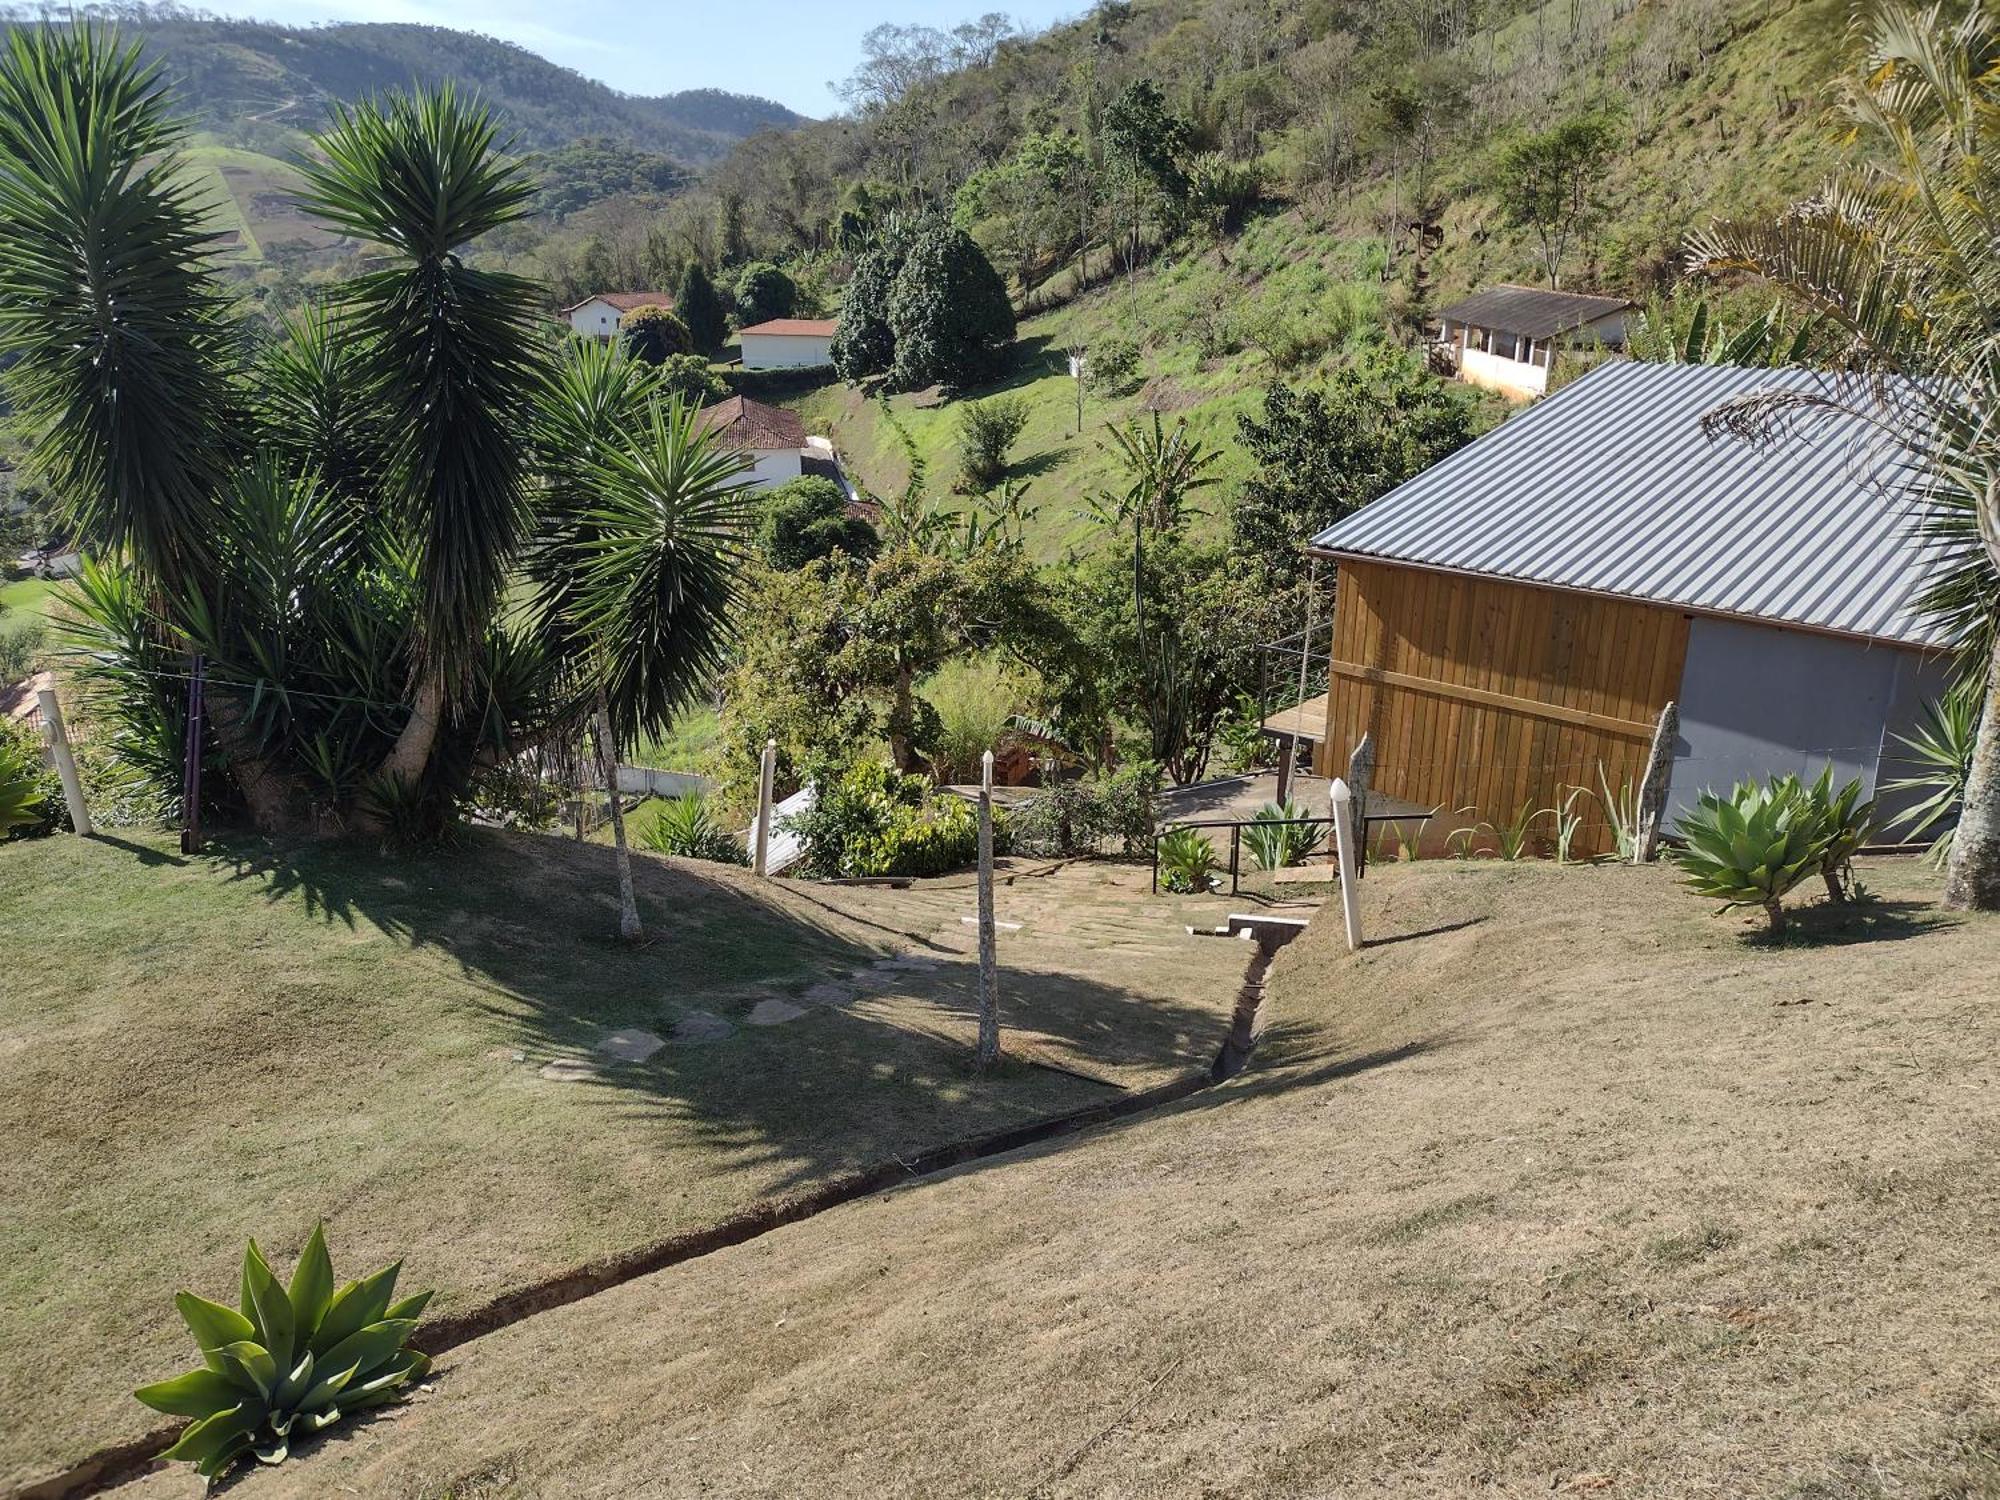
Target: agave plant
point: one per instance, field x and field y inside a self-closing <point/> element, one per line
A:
<point x="1750" y="847"/>
<point x="1842" y="822"/>
<point x="1187" y="862"/>
<point x="1276" y="837"/>
<point x="293" y="1360"/>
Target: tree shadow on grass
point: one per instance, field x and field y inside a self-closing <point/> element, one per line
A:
<point x="531" y="921"/>
<point x="1834" y="924"/>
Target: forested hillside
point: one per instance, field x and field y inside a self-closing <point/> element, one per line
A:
<point x="228" y="73"/>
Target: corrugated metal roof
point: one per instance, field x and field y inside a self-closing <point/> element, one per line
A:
<point x="1532" y="311"/>
<point x="1611" y="486"/>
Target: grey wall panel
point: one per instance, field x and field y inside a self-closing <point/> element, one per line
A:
<point x="1757" y="700"/>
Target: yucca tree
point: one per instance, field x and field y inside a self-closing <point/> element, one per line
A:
<point x="637" y="562"/>
<point x="450" y="360"/>
<point x="107" y="297"/>
<point x="1897" y="260"/>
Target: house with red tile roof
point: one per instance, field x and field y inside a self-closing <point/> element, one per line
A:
<point x="598" y="316"/>
<point x="774" y="438"/>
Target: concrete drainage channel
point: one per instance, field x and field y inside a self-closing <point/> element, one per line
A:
<point x="109" y="1468"/>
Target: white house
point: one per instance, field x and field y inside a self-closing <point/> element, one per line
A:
<point x="787" y="344"/>
<point x="1506" y="337"/>
<point x="599" y="316"/>
<point x="774" y="438"/>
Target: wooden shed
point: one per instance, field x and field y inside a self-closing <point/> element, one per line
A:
<point x="1510" y="623"/>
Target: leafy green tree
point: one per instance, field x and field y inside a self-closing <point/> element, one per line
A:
<point x="863" y="342"/>
<point x="949" y="315"/>
<point x="654" y="334"/>
<point x="1551" y="181"/>
<point x="1896" y="263"/>
<point x="1144" y="146"/>
<point x="690" y="377"/>
<point x="700" y="308"/>
<point x="806" y="519"/>
<point x="764" y="292"/>
<point x="987" y="432"/>
<point x="1321" y="454"/>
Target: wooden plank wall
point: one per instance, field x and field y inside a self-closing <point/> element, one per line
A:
<point x="1493" y="696"/>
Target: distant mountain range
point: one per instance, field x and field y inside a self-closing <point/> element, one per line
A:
<point x="232" y="75"/>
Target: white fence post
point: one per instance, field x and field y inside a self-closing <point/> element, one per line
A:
<point x="989" y="962"/>
<point x="58" y="740"/>
<point x="1343" y="837"/>
<point x="766" y="773"/>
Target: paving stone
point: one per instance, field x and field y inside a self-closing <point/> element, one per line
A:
<point x="907" y="963"/>
<point x="774" y="1012"/>
<point x="828" y="992"/>
<point x="568" y="1070"/>
<point x="699" y="1026"/>
<point x="633" y="1044"/>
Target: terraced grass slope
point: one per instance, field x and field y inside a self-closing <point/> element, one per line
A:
<point x="1561" y="1188"/>
<point x="453" y="1060"/>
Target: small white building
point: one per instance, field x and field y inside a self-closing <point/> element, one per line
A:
<point x="774" y="438"/>
<point x="787" y="344"/>
<point x="56" y="560"/>
<point x="1506" y="337"/>
<point x="598" y="317"/>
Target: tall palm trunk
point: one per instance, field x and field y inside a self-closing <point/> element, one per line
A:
<point x="411" y="753"/>
<point x="1972" y="878"/>
<point x="607" y="765"/>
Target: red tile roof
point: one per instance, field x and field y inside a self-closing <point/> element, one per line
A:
<point x="744" y="423"/>
<point x="626" y="301"/>
<point x="816" y="328"/>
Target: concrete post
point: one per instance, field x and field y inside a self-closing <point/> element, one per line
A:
<point x="59" y="751"/>
<point x="1653" y="790"/>
<point x="766" y="774"/>
<point x="1343" y="838"/>
<point x="989" y="963"/>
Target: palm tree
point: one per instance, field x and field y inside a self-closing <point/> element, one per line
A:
<point x="637" y="564"/>
<point x="1898" y="261"/>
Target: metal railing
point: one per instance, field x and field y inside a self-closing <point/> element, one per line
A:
<point x="1237" y="825"/>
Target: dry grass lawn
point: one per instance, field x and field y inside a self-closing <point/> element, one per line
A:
<point x="1562" y="1188"/>
<point x="192" y="1052"/>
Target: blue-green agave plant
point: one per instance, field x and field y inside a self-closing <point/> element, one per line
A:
<point x="292" y="1361"/>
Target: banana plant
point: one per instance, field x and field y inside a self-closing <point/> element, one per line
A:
<point x="1749" y="848"/>
<point x="287" y="1360"/>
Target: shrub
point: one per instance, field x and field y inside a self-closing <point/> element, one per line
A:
<point x="1111" y="366"/>
<point x="975" y="706"/>
<point x="20" y="650"/>
<point x="806" y="519"/>
<point x="763" y="292"/>
<point x="683" y="827"/>
<point x="1187" y="863"/>
<point x="689" y="377"/>
<point x="987" y="431"/>
<point x="1275" y="841"/>
<point x="873" y="820"/>
<point x="26" y="807"/>
<point x="294" y="1360"/>
<point x="1749" y="848"/>
<point x="1071" y="818"/>
<point x="654" y="334"/>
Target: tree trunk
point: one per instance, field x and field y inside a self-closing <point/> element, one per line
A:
<point x="1972" y="878"/>
<point x="411" y="753"/>
<point x="607" y="765"/>
<point x="265" y="793"/>
<point x="1775" y="910"/>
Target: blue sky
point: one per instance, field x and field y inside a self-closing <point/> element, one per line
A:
<point x="786" y="50"/>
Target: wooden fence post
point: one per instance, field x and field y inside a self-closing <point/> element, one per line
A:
<point x="1343" y="838"/>
<point x="989" y="963"/>
<point x="766" y="773"/>
<point x="58" y="741"/>
<point x="1653" y="790"/>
